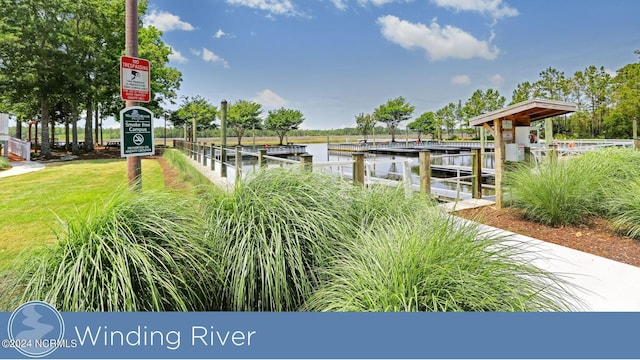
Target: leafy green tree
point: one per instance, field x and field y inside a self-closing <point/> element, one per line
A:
<point x="552" y="85"/>
<point x="33" y="35"/>
<point x="482" y="102"/>
<point x="425" y="124"/>
<point x="196" y="109"/>
<point x="244" y="115"/>
<point x="447" y="116"/>
<point x="596" y="85"/>
<point x="282" y="121"/>
<point x="523" y="92"/>
<point x="393" y="113"/>
<point x="626" y="94"/>
<point x="365" y="124"/>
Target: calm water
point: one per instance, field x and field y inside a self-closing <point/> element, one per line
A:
<point x="389" y="170"/>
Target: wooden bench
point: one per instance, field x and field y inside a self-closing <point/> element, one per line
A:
<point x="112" y="144"/>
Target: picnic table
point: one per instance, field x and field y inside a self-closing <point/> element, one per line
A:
<point x="112" y="144"/>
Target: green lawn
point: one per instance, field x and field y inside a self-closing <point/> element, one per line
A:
<point x="33" y="204"/>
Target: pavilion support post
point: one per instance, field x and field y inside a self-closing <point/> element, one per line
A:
<point x="553" y="154"/>
<point x="548" y="132"/>
<point x="425" y="172"/>
<point x="499" y="161"/>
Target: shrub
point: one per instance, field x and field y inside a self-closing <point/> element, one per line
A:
<point x="556" y="193"/>
<point x="139" y="252"/>
<point x="624" y="210"/>
<point x="275" y="231"/>
<point x="569" y="191"/>
<point x="4" y="164"/>
<point x="433" y="264"/>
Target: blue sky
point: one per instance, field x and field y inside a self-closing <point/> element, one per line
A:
<point x="333" y="59"/>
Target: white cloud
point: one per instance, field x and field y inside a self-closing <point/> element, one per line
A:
<point x="379" y="2"/>
<point x="219" y="34"/>
<point x="210" y="56"/>
<point x="177" y="57"/>
<point x="439" y="42"/>
<point x="340" y="4"/>
<point x="165" y="21"/>
<point x="270" y="99"/>
<point x="461" y="80"/>
<point x="496" y="80"/>
<point x="274" y="7"/>
<point x="496" y="8"/>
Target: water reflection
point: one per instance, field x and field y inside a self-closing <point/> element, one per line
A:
<point x="381" y="165"/>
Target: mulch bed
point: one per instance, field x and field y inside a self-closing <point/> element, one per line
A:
<point x="594" y="238"/>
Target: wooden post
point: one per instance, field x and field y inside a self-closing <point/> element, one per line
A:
<point x="307" y="162"/>
<point x="262" y="162"/>
<point x="212" y="150"/>
<point x="636" y="144"/>
<point x="527" y="154"/>
<point x="406" y="177"/>
<point x="499" y="161"/>
<point x="553" y="154"/>
<point x="134" y="163"/>
<point x="425" y="172"/>
<point x="223" y="147"/>
<point x="238" y="164"/>
<point x="476" y="171"/>
<point x="358" y="168"/>
<point x="204" y="154"/>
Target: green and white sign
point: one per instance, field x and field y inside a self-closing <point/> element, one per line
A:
<point x="136" y="132"/>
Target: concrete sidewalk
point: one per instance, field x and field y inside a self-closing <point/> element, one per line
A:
<point x="598" y="283"/>
<point x="22" y="167"/>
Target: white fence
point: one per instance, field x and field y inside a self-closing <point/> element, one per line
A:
<point x="20" y="148"/>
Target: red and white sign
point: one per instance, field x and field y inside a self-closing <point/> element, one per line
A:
<point x="135" y="79"/>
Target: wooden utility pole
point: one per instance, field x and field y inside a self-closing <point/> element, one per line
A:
<point x="134" y="164"/>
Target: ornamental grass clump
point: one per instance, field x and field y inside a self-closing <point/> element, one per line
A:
<point x="434" y="264"/>
<point x="570" y="191"/>
<point x="137" y="252"/>
<point x="624" y="210"/>
<point x="559" y="193"/>
<point x="275" y="231"/>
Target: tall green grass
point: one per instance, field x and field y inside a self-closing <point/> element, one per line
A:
<point x="137" y="252"/>
<point x="4" y="164"/>
<point x="433" y="264"/>
<point x="187" y="172"/>
<point x="282" y="240"/>
<point x="555" y="193"/>
<point x="275" y="231"/>
<point x="569" y="192"/>
<point x="624" y="209"/>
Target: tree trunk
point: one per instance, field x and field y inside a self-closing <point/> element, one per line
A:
<point x="88" y="131"/>
<point x="18" y="128"/>
<point x="67" y="146"/>
<point x="96" y="125"/>
<point x="45" y="148"/>
<point x="281" y="135"/>
<point x="74" y="128"/>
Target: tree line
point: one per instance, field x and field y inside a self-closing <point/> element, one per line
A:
<point x="60" y="59"/>
<point x="607" y="105"/>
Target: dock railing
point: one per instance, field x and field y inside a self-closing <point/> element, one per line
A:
<point x="360" y="171"/>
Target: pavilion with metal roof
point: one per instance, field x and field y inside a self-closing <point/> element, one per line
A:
<point x="508" y="119"/>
